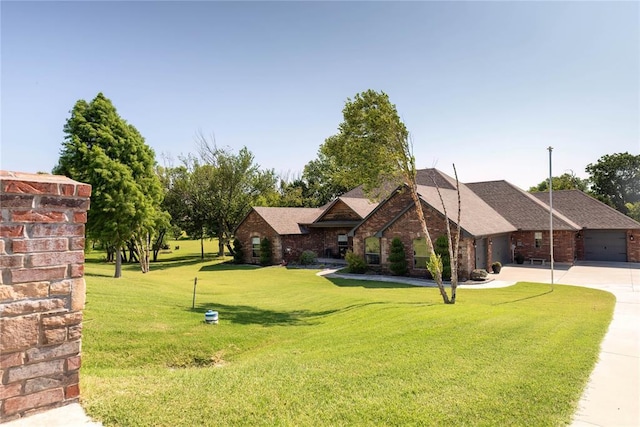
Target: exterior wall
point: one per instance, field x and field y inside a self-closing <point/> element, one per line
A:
<point x="407" y="228"/>
<point x="633" y="246"/>
<point x="565" y="245"/>
<point x="255" y="226"/>
<point x="42" y="291"/>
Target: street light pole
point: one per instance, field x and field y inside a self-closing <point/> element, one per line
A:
<point x="551" y="211"/>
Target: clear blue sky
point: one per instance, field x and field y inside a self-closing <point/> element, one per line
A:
<point x="485" y="85"/>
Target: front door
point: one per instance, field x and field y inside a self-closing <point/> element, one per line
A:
<point x="481" y="253"/>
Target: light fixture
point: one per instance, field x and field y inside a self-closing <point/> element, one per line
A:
<point x="631" y="237"/>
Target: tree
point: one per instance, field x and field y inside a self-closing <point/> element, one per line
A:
<point x="397" y="258"/>
<point x="372" y="148"/>
<point x="566" y="181"/>
<point x="633" y="210"/>
<point x="236" y="183"/>
<point x="615" y="178"/>
<point x="103" y="150"/>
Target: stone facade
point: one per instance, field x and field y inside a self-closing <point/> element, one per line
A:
<point x="42" y="291"/>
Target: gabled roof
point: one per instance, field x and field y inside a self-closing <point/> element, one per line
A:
<point x="520" y="208"/>
<point x="586" y="211"/>
<point x="288" y="220"/>
<point x="361" y="206"/>
<point x="476" y="216"/>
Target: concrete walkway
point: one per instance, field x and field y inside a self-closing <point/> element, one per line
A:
<point x="612" y="395"/>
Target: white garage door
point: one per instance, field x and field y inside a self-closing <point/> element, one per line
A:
<point x="605" y="245"/>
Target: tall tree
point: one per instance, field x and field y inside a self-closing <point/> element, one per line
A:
<point x="615" y="178"/>
<point x="102" y="149"/>
<point x="566" y="181"/>
<point x="236" y="183"/>
<point x="372" y="148"/>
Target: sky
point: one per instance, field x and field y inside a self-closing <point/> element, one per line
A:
<point x="487" y="86"/>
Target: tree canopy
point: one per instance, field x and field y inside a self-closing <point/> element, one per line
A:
<point x="566" y="181"/>
<point x="102" y="149"/>
<point x="372" y="148"/>
<point x="615" y="178"/>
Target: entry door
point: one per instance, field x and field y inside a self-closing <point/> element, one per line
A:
<point x="481" y="253"/>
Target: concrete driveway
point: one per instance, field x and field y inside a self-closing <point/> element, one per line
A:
<point x="612" y="396"/>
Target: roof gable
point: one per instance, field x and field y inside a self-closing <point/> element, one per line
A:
<point x="587" y="211"/>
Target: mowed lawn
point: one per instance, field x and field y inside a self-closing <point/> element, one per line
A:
<point x="292" y="348"/>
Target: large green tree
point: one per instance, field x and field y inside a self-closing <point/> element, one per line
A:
<point x="566" y="181"/>
<point x="615" y="179"/>
<point x="372" y="148"/>
<point x="102" y="149"/>
<point x="236" y="183"/>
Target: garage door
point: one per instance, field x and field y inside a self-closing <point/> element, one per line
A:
<point x="605" y="245"/>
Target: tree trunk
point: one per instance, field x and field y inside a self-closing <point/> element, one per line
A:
<point x="202" y="247"/>
<point x="423" y="222"/>
<point x="157" y="246"/>
<point x="118" y="272"/>
<point x="220" y="245"/>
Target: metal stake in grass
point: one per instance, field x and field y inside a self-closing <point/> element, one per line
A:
<point x="195" y="282"/>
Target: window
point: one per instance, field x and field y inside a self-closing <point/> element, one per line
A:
<point x="372" y="250"/>
<point x="538" y="239"/>
<point x="343" y="244"/>
<point x="420" y="253"/>
<point x="255" y="247"/>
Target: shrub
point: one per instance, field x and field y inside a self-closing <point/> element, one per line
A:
<point x="308" y="258"/>
<point x="265" y="252"/>
<point x="479" y="274"/>
<point x="441" y="248"/>
<point x="355" y="263"/>
<point x="238" y="254"/>
<point x="519" y="258"/>
<point x="397" y="258"/>
<point x="496" y="267"/>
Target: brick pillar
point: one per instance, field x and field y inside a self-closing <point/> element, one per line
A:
<point x="42" y="291"/>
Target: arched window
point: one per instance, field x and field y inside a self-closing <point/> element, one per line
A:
<point x="372" y="250"/>
<point x="420" y="253"/>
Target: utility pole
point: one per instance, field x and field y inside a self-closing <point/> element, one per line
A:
<point x="551" y="211"/>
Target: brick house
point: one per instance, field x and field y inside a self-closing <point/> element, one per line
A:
<point x="498" y="220"/>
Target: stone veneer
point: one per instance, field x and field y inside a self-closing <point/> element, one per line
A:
<point x="42" y="291"/>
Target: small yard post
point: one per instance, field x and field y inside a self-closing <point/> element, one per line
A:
<point x="195" y="282"/>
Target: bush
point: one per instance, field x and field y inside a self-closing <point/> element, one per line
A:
<point x="441" y="248"/>
<point x="519" y="258"/>
<point x="238" y="254"/>
<point x="479" y="274"/>
<point x="308" y="258"/>
<point x="397" y="258"/>
<point x="355" y="263"/>
<point x="496" y="267"/>
<point x="265" y="252"/>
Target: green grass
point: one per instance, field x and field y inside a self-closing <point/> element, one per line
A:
<point x="293" y="348"/>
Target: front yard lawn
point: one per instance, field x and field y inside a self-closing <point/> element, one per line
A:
<point x="292" y="348"/>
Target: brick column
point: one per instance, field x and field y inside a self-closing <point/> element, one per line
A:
<point x="42" y="291"/>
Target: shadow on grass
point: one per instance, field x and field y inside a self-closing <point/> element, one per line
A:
<point x="527" y="298"/>
<point x="369" y="284"/>
<point x="250" y="315"/>
<point x="228" y="266"/>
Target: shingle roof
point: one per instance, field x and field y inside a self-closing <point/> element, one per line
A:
<point x="476" y="216"/>
<point x="520" y="208"/>
<point x="586" y="211"/>
<point x="288" y="220"/>
<point x="360" y="206"/>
